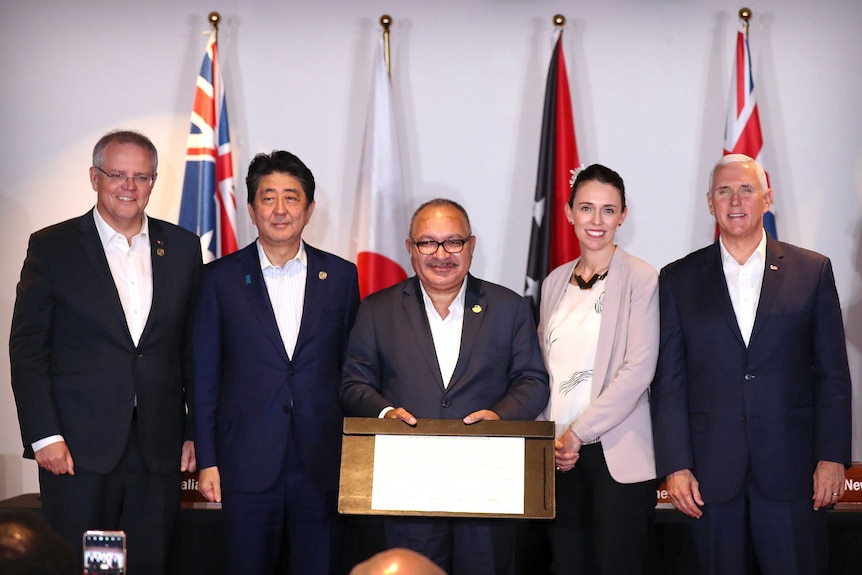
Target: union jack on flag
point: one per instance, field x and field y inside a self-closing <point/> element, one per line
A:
<point x="208" y="205"/>
<point x="742" y="133"/>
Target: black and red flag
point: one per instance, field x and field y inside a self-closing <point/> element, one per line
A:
<point x="552" y="239"/>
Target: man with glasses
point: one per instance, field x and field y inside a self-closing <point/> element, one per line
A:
<point x="446" y="345"/>
<point x="98" y="352"/>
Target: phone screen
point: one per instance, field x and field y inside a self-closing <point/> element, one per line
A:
<point x="104" y="553"/>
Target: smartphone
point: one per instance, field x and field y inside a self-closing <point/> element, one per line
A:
<point x="104" y="553"/>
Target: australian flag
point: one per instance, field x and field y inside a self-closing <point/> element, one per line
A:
<point x="208" y="205"/>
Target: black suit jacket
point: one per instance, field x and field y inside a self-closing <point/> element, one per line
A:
<point x="772" y="409"/>
<point x="391" y="360"/>
<point x="75" y="368"/>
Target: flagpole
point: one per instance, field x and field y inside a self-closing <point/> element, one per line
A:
<point x="745" y="16"/>
<point x="386" y="21"/>
<point x="559" y="20"/>
<point x="214" y="19"/>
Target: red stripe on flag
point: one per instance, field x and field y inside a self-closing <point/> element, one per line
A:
<point x="741" y="80"/>
<point x="750" y="141"/>
<point x="564" y="245"/>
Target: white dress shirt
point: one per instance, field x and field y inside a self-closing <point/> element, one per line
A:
<point x="286" y="288"/>
<point x="743" y="283"/>
<point x="446" y="332"/>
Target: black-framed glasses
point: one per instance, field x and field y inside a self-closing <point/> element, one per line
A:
<point x="121" y="177"/>
<point x="450" y="246"/>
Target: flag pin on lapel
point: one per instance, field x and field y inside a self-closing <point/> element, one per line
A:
<point x="773" y="267"/>
<point x="160" y="251"/>
<point x="322" y="275"/>
<point x="477" y="309"/>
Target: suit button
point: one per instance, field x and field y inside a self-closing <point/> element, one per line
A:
<point x="749" y="376"/>
<point x="444" y="404"/>
<point x="291" y="371"/>
<point x="744" y="417"/>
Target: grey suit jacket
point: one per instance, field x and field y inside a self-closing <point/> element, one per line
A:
<point x="625" y="362"/>
<point x="391" y="360"/>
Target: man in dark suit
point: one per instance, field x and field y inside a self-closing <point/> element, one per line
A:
<point x="446" y="345"/>
<point x="98" y="350"/>
<point x="751" y="399"/>
<point x="270" y="332"/>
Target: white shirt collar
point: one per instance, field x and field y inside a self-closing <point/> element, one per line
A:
<point x="456" y="308"/>
<point x="265" y="263"/>
<point x="107" y="233"/>
<point x="727" y="258"/>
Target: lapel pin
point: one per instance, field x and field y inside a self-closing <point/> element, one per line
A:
<point x="773" y="267"/>
<point x="248" y="279"/>
<point x="322" y="275"/>
<point x="160" y="251"/>
<point x="477" y="309"/>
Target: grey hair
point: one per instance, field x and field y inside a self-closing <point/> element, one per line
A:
<point x="740" y="159"/>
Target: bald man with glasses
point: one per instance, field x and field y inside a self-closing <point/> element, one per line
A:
<point x="446" y="345"/>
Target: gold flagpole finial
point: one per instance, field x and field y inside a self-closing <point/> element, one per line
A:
<point x="559" y="20"/>
<point x="214" y="19"/>
<point x="386" y="22"/>
<point x="745" y="16"/>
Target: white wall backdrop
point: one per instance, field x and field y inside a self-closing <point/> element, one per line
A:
<point x="649" y="79"/>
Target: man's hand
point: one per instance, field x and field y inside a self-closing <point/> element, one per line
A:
<point x="567" y="449"/>
<point x="56" y="458"/>
<point x="828" y="483"/>
<point x="188" y="461"/>
<point x="402" y="414"/>
<point x="684" y="492"/>
<point x="481" y="415"/>
<point x="209" y="484"/>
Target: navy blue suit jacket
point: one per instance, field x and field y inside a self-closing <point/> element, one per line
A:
<point x="75" y="369"/>
<point x="391" y="360"/>
<point x="249" y="398"/>
<point x="774" y="408"/>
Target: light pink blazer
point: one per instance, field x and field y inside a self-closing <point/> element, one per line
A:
<point x="626" y="356"/>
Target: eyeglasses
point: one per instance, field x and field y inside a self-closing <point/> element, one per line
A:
<point x="450" y="246"/>
<point x="121" y="177"/>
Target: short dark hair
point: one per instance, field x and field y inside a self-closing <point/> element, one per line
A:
<point x="28" y="546"/>
<point x="124" y="137"/>
<point x="281" y="162"/>
<point x="440" y="202"/>
<point x="599" y="173"/>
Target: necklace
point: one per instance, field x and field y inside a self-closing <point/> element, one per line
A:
<point x="591" y="282"/>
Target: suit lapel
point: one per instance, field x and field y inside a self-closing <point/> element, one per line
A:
<point x="250" y="279"/>
<point x="716" y="287"/>
<point x="95" y="252"/>
<point x="414" y="309"/>
<point x="610" y="302"/>
<point x="316" y="295"/>
<point x="475" y="308"/>
<point x="158" y="256"/>
<point x="773" y="277"/>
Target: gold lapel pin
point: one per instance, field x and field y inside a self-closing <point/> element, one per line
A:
<point x="322" y="275"/>
<point x="160" y="251"/>
<point x="773" y="267"/>
<point x="477" y="309"/>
